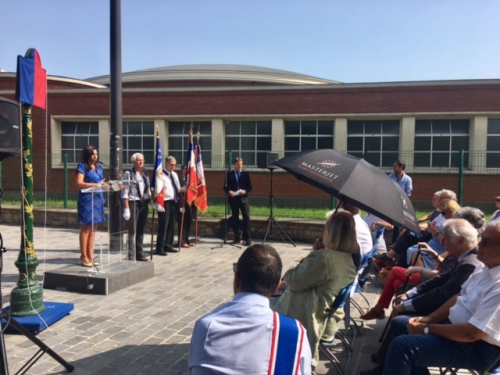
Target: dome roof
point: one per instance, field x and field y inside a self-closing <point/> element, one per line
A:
<point x="216" y="72"/>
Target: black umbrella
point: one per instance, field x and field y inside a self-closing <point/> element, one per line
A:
<point x="355" y="182"/>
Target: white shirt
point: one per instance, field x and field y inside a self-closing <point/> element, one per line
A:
<point x="363" y="235"/>
<point x="168" y="189"/>
<point x="478" y="303"/>
<point x="236" y="339"/>
<point x="381" y="246"/>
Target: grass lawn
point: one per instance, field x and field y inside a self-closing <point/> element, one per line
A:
<point x="217" y="210"/>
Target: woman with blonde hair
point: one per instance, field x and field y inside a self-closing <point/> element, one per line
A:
<point x="432" y="254"/>
<point x="315" y="282"/>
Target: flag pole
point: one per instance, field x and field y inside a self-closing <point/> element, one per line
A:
<point x="182" y="226"/>
<point x="152" y="234"/>
<point x="196" y="228"/>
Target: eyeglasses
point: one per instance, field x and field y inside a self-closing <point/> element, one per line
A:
<point x="235" y="267"/>
<point x="486" y="242"/>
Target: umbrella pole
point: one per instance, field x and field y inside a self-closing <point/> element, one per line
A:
<point x="338" y="206"/>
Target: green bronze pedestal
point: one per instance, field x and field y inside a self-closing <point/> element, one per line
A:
<point x="27" y="298"/>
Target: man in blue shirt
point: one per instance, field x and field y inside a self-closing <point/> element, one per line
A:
<point x="400" y="177"/>
<point x="243" y="336"/>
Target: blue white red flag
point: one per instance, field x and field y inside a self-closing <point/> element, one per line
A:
<point x="31" y="85"/>
<point x="157" y="180"/>
<point x="201" y="200"/>
<point x="191" y="176"/>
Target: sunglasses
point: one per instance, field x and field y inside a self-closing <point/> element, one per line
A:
<point x="235" y="267"/>
<point x="486" y="242"/>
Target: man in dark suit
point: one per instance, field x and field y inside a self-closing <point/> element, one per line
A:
<point x="238" y="187"/>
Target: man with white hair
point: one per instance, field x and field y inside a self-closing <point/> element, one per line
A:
<point x="135" y="199"/>
<point x="464" y="332"/>
<point x="460" y="241"/>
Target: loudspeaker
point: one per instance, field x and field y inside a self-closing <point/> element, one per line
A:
<point x="266" y="160"/>
<point x="9" y="128"/>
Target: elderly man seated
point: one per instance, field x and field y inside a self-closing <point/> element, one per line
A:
<point x="463" y="332"/>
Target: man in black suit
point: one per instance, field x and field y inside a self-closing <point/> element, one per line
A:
<point x="238" y="187"/>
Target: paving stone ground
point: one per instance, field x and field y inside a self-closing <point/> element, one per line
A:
<point x="146" y="328"/>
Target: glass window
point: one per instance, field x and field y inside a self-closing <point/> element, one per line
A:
<point x="379" y="138"/>
<point x="438" y="142"/>
<point x="247" y="138"/>
<point x="308" y="135"/>
<point x="75" y="136"/>
<point x="178" y="134"/>
<point x="138" y="136"/>
<point x="493" y="144"/>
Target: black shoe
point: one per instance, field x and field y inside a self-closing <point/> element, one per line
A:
<point x="235" y="241"/>
<point x="374" y="371"/>
<point x="171" y="249"/>
<point x="376" y="359"/>
<point x="247" y="243"/>
<point x="384" y="258"/>
<point x="141" y="258"/>
<point x="162" y="253"/>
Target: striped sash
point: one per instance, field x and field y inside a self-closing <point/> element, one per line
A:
<point x="286" y="347"/>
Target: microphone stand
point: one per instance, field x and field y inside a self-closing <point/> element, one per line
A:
<point x="224" y="241"/>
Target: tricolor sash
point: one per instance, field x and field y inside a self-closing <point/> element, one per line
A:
<point x="286" y="347"/>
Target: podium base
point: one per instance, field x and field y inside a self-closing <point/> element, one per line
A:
<point x="78" y="279"/>
<point x="54" y="311"/>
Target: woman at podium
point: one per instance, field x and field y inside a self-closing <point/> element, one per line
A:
<point x="89" y="174"/>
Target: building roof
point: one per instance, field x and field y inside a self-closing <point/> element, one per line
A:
<point x="216" y="72"/>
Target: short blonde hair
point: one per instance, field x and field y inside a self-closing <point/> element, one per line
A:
<point x="341" y="233"/>
<point x="449" y="205"/>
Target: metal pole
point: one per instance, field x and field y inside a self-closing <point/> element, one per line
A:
<point x="461" y="177"/>
<point x="115" y="149"/>
<point x="65" y="182"/>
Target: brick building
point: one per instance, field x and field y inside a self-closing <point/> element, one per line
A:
<point x="249" y="110"/>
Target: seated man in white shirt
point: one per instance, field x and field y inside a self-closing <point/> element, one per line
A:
<point x="241" y="336"/>
<point x="462" y="333"/>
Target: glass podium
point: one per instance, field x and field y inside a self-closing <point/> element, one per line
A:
<point x="112" y="249"/>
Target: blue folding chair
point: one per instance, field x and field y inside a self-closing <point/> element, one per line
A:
<point x="338" y="303"/>
<point x="360" y="281"/>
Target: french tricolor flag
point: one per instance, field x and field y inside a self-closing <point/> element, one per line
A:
<point x="31" y="80"/>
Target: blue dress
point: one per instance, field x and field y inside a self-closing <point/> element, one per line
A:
<point x="85" y="204"/>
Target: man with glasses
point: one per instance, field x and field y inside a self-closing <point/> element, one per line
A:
<point x="167" y="219"/>
<point x="464" y="332"/>
<point x="245" y="336"/>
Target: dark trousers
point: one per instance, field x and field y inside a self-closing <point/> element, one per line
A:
<point x="135" y="226"/>
<point x="166" y="227"/>
<point x="188" y="218"/>
<point x="236" y="206"/>
<point x="412" y="354"/>
<point x="406" y="241"/>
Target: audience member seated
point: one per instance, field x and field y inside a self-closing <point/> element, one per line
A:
<point x="463" y="332"/>
<point x="413" y="275"/>
<point x="315" y="282"/>
<point x="431" y="255"/>
<point x="237" y="338"/>
<point x="363" y="233"/>
<point x="496" y="214"/>
<point x="375" y="223"/>
<point x="460" y="239"/>
<point x="408" y="239"/>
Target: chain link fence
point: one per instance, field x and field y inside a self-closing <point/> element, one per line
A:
<point x="473" y="175"/>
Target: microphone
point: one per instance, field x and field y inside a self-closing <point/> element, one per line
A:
<point x="114" y="185"/>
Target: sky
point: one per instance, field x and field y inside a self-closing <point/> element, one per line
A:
<point x="348" y="41"/>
